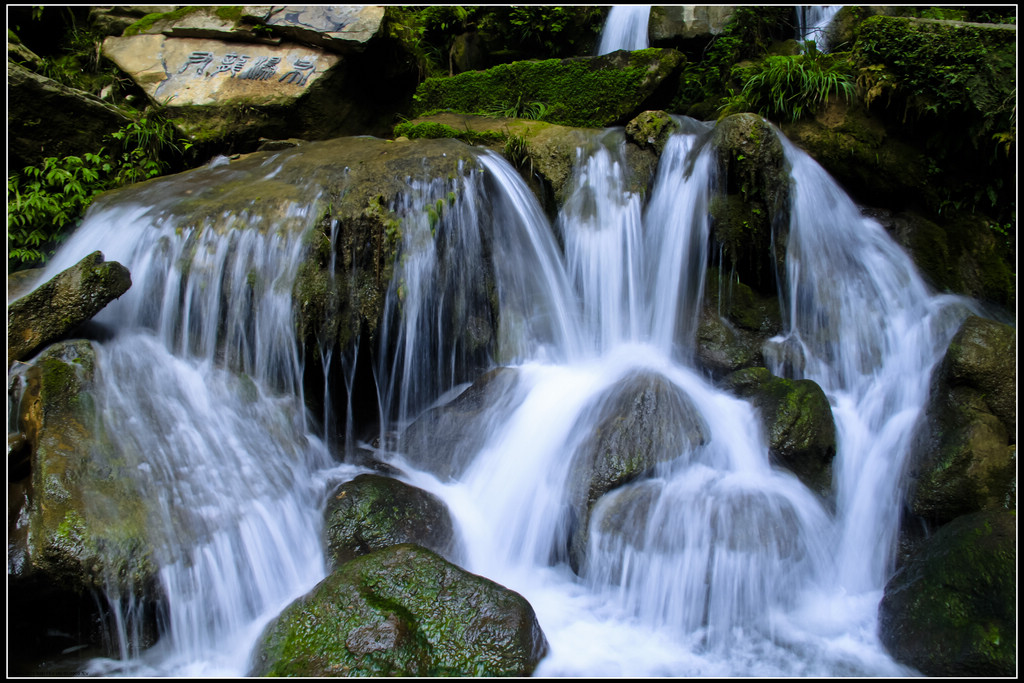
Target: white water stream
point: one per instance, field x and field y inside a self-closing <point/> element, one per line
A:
<point x="625" y="29"/>
<point x="716" y="565"/>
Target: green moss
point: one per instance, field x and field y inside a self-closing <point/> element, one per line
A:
<point x="575" y="92"/>
<point x="146" y="23"/>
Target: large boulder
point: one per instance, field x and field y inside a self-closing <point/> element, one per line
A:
<point x="232" y="75"/>
<point x="750" y="210"/>
<point x="798" y="422"/>
<point x="968" y="463"/>
<point x="77" y="526"/>
<point x="402" y="611"/>
<point x="951" y="610"/>
<point x="373" y="512"/>
<point x="592" y="92"/>
<point x="58" y="307"/>
<point x="687" y="25"/>
<point x="48" y="119"/>
<point x="640" y="422"/>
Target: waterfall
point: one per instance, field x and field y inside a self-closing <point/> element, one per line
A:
<point x="199" y="389"/>
<point x="714" y="563"/>
<point x="813" y="22"/>
<point x="625" y="29"/>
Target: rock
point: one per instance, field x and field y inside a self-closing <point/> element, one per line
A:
<point x="673" y="24"/>
<point x="56" y="308"/>
<point x="593" y="92"/>
<point x="651" y="130"/>
<point x="735" y="323"/>
<point x="86" y="524"/>
<point x="798" y="422"/>
<point x="373" y="512"/>
<point x="402" y="611"/>
<point x="640" y="422"/>
<point x="48" y="119"/>
<point x="339" y="28"/>
<point x="981" y="356"/>
<point x="951" y="609"/>
<point x="201" y="71"/>
<point x="750" y="214"/>
<point x="968" y="462"/>
<point x="444" y="439"/>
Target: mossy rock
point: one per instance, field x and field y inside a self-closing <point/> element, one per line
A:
<point x="373" y="512"/>
<point x="402" y="611"/>
<point x="951" y="609"/>
<point x="798" y="423"/>
<point x="750" y="211"/>
<point x="593" y="92"/>
<point x="651" y="130"/>
<point x="641" y="421"/>
<point x="968" y="460"/>
<point x="87" y="522"/>
<point x="57" y="307"/>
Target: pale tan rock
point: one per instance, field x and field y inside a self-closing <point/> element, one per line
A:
<point x="202" y="71"/>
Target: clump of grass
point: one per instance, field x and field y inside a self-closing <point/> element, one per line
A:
<point x="788" y="87"/>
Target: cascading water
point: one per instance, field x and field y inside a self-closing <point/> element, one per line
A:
<point x="715" y="564"/>
<point x="813" y="21"/>
<point x="199" y="388"/>
<point x="719" y="563"/>
<point x="625" y="29"/>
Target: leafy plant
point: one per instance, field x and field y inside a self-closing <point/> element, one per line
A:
<point x="46" y="201"/>
<point x="519" y="110"/>
<point x="788" y="87"/>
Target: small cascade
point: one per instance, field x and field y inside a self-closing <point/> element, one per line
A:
<point x="625" y="29"/>
<point x="813" y="22"/>
<point x="706" y="560"/>
<point x="199" y="391"/>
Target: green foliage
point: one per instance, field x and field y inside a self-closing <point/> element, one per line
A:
<point x="518" y="110"/>
<point x="746" y="36"/>
<point x="788" y="87"/>
<point x="582" y="95"/>
<point x="45" y="202"/>
<point x="431" y="129"/>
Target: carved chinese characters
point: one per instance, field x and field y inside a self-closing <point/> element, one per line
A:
<point x="190" y="71"/>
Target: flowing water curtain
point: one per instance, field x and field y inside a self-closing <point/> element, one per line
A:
<point x="200" y="395"/>
<point x="676" y="237"/>
<point x="601" y="227"/>
<point x="625" y="29"/>
<point x="864" y="326"/>
<point x="813" y="22"/>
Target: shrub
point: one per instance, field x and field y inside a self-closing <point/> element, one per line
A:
<point x="45" y="202"/>
<point x="788" y="87"/>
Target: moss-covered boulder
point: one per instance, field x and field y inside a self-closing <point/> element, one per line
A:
<point x="49" y="119"/>
<point x="951" y="610"/>
<point x="750" y="210"/>
<point x="981" y="355"/>
<point x="402" y="611"/>
<point x="444" y="439"/>
<point x="57" y="307"/>
<point x="373" y="512"/>
<point x="651" y="130"/>
<point x="735" y="322"/>
<point x="592" y="92"/>
<point x="968" y="463"/>
<point x="641" y="421"/>
<point x="86" y="522"/>
<point x="798" y="422"/>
